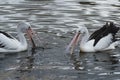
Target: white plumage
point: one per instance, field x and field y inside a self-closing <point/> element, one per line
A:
<point x="10" y="44"/>
<point x="102" y="39"/>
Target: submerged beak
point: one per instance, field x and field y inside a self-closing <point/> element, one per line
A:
<point x="73" y="43"/>
<point x="32" y="34"/>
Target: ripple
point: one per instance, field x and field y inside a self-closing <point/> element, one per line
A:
<point x="12" y="68"/>
<point x="88" y="3"/>
<point x="48" y="67"/>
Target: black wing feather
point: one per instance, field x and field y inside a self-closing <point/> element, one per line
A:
<point x="109" y="27"/>
<point x="2" y="45"/>
<point x="6" y="34"/>
<point x="97" y="32"/>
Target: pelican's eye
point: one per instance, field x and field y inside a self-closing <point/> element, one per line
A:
<point x="29" y="27"/>
<point x="79" y="31"/>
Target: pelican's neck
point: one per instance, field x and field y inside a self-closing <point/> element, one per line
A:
<point x="85" y="37"/>
<point x="22" y="38"/>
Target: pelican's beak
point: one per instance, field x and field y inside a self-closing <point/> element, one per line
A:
<point x="32" y="34"/>
<point x="73" y="43"/>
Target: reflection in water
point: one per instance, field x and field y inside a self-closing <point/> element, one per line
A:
<point x="97" y="65"/>
<point x="95" y="61"/>
<point x="76" y="62"/>
<point x="26" y="64"/>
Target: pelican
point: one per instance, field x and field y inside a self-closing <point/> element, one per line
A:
<point x="101" y="40"/>
<point x="8" y="43"/>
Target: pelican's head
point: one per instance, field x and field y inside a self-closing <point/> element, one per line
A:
<point x="24" y="27"/>
<point x="79" y="33"/>
<point x="82" y="30"/>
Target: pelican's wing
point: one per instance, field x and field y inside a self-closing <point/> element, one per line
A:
<point x="97" y="32"/>
<point x="101" y="35"/>
<point x="104" y="42"/>
<point x="107" y="29"/>
<point x="7" y="41"/>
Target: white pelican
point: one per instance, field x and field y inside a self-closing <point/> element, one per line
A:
<point x="102" y="39"/>
<point x="10" y="44"/>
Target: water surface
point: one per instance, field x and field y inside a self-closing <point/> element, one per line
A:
<point x="56" y="22"/>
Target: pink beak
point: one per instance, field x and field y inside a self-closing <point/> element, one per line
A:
<point x="73" y="43"/>
<point x="32" y="34"/>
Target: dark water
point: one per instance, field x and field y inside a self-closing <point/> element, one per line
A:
<point x="56" y="21"/>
